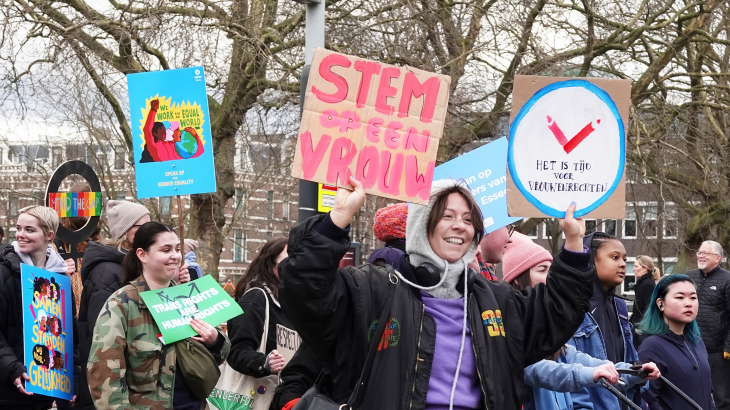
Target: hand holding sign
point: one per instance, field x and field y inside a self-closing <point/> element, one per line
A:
<point x="208" y="334"/>
<point x="574" y="230"/>
<point x="276" y="362"/>
<point x="347" y="203"/>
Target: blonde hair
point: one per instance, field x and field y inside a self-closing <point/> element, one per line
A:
<point x="118" y="243"/>
<point x="46" y="216"/>
<point x="646" y="261"/>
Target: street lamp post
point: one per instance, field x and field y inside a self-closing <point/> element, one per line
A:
<point x="314" y="37"/>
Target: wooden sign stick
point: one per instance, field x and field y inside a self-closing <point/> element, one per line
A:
<point x="182" y="228"/>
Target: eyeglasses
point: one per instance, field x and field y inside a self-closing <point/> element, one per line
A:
<point x="703" y="253"/>
<point x="510" y="230"/>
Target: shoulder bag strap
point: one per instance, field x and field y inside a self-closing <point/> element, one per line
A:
<point x="262" y="345"/>
<point x="358" y="394"/>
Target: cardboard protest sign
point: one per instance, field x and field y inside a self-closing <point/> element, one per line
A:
<point x="377" y="122"/>
<point x="173" y="308"/>
<point x="173" y="150"/>
<point x="47" y="332"/>
<point x="484" y="169"/>
<point x="287" y="342"/>
<point x="567" y="143"/>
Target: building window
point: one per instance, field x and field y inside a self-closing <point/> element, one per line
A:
<point x="238" y="198"/>
<point x="239" y="246"/>
<point x="120" y="155"/>
<point x="121" y="196"/>
<point x="270" y="205"/>
<point x="670" y="221"/>
<point x="57" y="156"/>
<point x="591" y="225"/>
<point x="13" y="205"/>
<point x="668" y="267"/>
<point x="650" y="215"/>
<point x="285" y="209"/>
<point x="609" y="226"/>
<point x="630" y="223"/>
<point x="269" y="235"/>
<point x="165" y="202"/>
<point x="627" y="287"/>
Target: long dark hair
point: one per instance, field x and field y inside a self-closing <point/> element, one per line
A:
<point x="145" y="237"/>
<point x="260" y="272"/>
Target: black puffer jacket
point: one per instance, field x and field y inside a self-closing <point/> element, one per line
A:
<point x="101" y="274"/>
<point x="11" y="336"/>
<point x="713" y="291"/>
<point x="334" y="311"/>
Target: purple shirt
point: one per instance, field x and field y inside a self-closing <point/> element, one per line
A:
<point x="449" y="317"/>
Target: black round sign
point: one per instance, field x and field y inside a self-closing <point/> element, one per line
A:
<point x="64" y="170"/>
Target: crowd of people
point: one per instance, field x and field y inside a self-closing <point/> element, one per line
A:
<point x="424" y="324"/>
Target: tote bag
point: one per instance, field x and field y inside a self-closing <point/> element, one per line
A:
<point x="236" y="391"/>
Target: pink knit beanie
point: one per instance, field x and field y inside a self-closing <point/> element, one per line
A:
<point x="521" y="255"/>
<point x="390" y="222"/>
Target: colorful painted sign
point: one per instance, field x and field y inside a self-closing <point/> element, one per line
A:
<point x="47" y="332"/>
<point x="72" y="204"/>
<point x="484" y="170"/>
<point x="173" y="152"/>
<point x="567" y="143"/>
<point x="379" y="123"/>
<point x="173" y="308"/>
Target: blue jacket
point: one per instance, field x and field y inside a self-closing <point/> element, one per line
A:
<point x="589" y="339"/>
<point x="196" y="272"/>
<point x="683" y="363"/>
<point x="552" y="381"/>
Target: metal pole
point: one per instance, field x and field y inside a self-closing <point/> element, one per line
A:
<point x="314" y="37"/>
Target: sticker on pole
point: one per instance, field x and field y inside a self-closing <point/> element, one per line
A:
<point x="567" y="143"/>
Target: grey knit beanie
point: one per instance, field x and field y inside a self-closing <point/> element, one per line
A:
<point x="122" y="215"/>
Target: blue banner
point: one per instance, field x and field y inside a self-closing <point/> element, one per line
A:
<point x="485" y="170"/>
<point x="48" y="332"/>
<point x="173" y="146"/>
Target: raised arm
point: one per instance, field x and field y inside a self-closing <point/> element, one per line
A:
<point x="551" y="314"/>
<point x="314" y="296"/>
<point x="149" y="139"/>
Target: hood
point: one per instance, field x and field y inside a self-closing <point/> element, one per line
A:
<point x="97" y="253"/>
<point x="420" y="252"/>
<point x="9" y="258"/>
<point x="54" y="261"/>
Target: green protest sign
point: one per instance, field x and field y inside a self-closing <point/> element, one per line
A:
<point x="173" y="308"/>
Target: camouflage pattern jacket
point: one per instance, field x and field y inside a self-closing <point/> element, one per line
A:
<point x="129" y="367"/>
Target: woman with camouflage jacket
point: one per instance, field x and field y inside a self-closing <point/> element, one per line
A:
<point x="129" y="366"/>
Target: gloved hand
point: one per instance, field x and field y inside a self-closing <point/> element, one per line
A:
<point x="726" y="355"/>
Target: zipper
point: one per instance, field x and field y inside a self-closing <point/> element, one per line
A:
<point x="697" y="363"/>
<point x="476" y="356"/>
<point x="418" y="354"/>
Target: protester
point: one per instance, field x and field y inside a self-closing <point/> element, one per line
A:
<point x="125" y="335"/>
<point x="491" y="249"/>
<point x="646" y="278"/>
<point x="389" y="226"/>
<point x="713" y="291"/>
<point x="246" y="330"/>
<point x="36" y="228"/>
<point x="196" y="272"/>
<point x="675" y="345"/>
<point x="525" y="263"/>
<point x="101" y="274"/>
<point x="606" y="332"/>
<point x="335" y="310"/>
<point x="551" y="380"/>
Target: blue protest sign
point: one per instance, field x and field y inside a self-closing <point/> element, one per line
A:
<point x="485" y="170"/>
<point x="173" y="146"/>
<point x="47" y="332"/>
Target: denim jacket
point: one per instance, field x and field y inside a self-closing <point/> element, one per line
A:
<point x="588" y="339"/>
<point x="552" y="381"/>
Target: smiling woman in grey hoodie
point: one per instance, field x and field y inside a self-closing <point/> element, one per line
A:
<point x="454" y="339"/>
